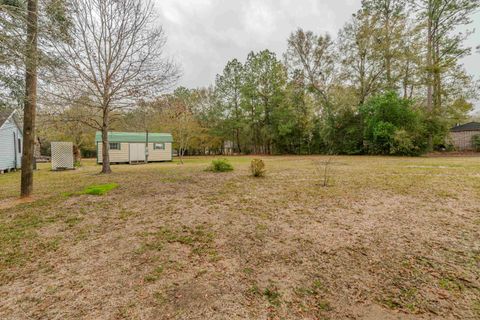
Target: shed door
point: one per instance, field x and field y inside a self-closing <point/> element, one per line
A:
<point x="137" y="151"/>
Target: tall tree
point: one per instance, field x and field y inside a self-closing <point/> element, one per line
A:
<point x="29" y="111"/>
<point x="228" y="91"/>
<point x="389" y="23"/>
<point x="265" y="79"/>
<point x="444" y="43"/>
<point x="361" y="66"/>
<point x="314" y="56"/>
<point x="115" y="58"/>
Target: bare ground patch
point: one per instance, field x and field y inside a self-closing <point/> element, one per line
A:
<point x="181" y="243"/>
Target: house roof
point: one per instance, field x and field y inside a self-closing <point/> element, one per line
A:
<point x="135" y="137"/>
<point x="471" y="126"/>
<point x="5" y="114"/>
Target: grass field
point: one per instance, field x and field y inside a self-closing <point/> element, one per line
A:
<point x="388" y="238"/>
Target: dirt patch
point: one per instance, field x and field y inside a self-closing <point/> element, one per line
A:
<point x="12" y="202"/>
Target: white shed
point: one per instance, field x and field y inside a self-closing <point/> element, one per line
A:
<point x="11" y="141"/>
<point x="134" y="147"/>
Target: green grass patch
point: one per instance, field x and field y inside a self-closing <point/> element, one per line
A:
<point x="99" y="190"/>
<point x="95" y="190"/>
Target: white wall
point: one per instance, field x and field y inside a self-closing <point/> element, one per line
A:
<point x="7" y="146"/>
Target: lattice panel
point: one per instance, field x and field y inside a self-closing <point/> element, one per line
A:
<point x="62" y="155"/>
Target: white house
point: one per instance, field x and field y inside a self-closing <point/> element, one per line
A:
<point x="11" y="141"/>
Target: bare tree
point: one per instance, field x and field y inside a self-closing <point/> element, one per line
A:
<point x="114" y="57"/>
<point x="322" y="169"/>
<point x="314" y="56"/>
<point x="177" y="117"/>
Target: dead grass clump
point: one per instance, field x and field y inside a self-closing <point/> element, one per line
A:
<point x="257" y="166"/>
<point x="199" y="239"/>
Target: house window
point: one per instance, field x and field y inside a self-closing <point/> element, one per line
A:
<point x="159" y="146"/>
<point x="115" y="146"/>
<point x="19" y="145"/>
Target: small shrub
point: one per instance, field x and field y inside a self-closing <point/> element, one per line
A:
<point x="220" y="165"/>
<point x="257" y="166"/>
<point x="476" y="142"/>
<point x="77" y="164"/>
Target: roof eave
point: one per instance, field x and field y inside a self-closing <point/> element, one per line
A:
<point x="8" y="118"/>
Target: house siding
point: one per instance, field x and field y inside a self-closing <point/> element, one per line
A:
<point x="160" y="155"/>
<point x="121" y="155"/>
<point x="7" y="146"/>
<point x="462" y="140"/>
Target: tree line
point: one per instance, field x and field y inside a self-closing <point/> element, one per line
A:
<point x="390" y="82"/>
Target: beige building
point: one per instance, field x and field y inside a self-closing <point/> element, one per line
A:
<point x="462" y="135"/>
<point x="134" y="147"/>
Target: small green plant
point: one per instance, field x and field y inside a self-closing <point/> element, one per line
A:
<point x="77" y="164"/>
<point x="257" y="166"/>
<point x="273" y="296"/>
<point x="220" y="165"/>
<point x="154" y="275"/>
<point x="100" y="190"/>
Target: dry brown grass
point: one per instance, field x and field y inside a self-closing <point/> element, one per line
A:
<point x="389" y="238"/>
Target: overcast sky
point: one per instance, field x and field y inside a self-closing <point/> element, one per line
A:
<point x="204" y="34"/>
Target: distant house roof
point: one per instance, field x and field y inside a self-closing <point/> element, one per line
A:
<point x="135" y="137"/>
<point x="471" y="126"/>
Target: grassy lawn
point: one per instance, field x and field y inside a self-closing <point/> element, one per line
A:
<point x="389" y="238"/>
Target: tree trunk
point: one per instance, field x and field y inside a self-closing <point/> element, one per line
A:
<point x="429" y="81"/>
<point x="26" y="188"/>
<point x="77" y="155"/>
<point x="238" y="140"/>
<point x="105" y="146"/>
<point x="180" y="153"/>
<point x="429" y="57"/>
<point x="437" y="81"/>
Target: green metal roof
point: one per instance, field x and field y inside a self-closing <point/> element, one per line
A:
<point x="135" y="137"/>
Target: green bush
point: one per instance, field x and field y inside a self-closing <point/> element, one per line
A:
<point x="257" y="166"/>
<point x="220" y="165"/>
<point x="393" y="126"/>
<point x="403" y="144"/>
<point x="476" y="142"/>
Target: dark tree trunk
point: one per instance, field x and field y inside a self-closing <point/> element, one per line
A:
<point x="105" y="146"/>
<point x="77" y="155"/>
<point x="429" y="58"/>
<point x="30" y="100"/>
<point x="239" y="149"/>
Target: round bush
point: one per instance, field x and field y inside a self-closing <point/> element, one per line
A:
<point x="220" y="165"/>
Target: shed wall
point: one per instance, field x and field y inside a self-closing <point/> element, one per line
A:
<point x="160" y="155"/>
<point x="121" y="155"/>
<point x="463" y="140"/>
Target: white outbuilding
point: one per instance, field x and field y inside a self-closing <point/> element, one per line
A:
<point x="135" y="147"/>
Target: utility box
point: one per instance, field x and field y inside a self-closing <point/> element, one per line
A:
<point x="62" y="156"/>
